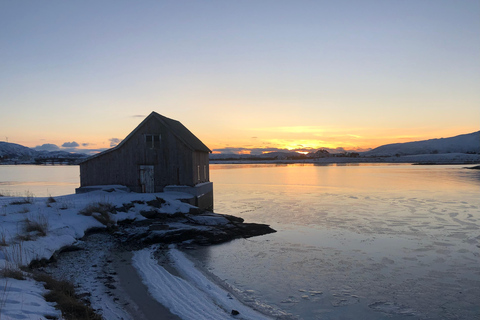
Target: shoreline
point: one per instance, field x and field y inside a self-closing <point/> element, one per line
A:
<point x="83" y="238"/>
<point x="157" y="282"/>
<point x="131" y="288"/>
<point x="426" y="159"/>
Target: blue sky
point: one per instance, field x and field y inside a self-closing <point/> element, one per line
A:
<point x="240" y="74"/>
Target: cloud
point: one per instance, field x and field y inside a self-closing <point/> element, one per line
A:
<point x="72" y="144"/>
<point x="114" y="141"/>
<point x="139" y="116"/>
<point x="47" y="147"/>
<point x="86" y="144"/>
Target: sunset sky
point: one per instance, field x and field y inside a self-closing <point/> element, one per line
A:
<point x="241" y="75"/>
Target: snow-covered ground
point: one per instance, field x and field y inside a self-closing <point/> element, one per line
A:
<point x="34" y="228"/>
<point x="191" y="295"/>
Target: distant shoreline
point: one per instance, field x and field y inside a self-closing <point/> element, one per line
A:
<point x="417" y="159"/>
<point x="380" y="160"/>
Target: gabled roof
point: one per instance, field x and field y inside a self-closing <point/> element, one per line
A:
<point x="182" y="133"/>
<point x="176" y="127"/>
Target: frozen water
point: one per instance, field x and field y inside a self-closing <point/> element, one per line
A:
<point x="354" y="241"/>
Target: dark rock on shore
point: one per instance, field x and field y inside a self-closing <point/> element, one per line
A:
<point x="203" y="229"/>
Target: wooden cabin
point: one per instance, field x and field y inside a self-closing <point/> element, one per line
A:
<point x="161" y="154"/>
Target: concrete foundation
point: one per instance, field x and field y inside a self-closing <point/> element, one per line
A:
<point x="202" y="194"/>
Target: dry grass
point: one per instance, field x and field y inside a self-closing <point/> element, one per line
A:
<point x="3" y="239"/>
<point x="14" y="258"/>
<point x="14" y="254"/>
<point x="27" y="199"/>
<point x="24" y="210"/>
<point x="99" y="207"/>
<point x="38" y="225"/>
<point x="12" y="272"/>
<point x="100" y="211"/>
<point x="62" y="292"/>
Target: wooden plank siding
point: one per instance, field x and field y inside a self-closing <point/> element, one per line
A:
<point x="175" y="161"/>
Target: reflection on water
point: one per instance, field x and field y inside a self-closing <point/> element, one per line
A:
<point x="354" y="242"/>
<point x="41" y="181"/>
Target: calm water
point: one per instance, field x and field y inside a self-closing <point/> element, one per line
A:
<point x="353" y="242"/>
<point x="41" y="181"/>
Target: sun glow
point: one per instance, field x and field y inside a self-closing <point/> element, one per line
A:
<point x="301" y="144"/>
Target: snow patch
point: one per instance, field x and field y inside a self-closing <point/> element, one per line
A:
<point x="192" y="296"/>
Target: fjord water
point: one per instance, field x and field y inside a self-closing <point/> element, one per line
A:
<point x="39" y="181"/>
<point x="353" y="242"/>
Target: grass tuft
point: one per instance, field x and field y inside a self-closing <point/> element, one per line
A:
<point x="99" y="207"/>
<point x="24" y="210"/>
<point x="11" y="272"/>
<point x="100" y="211"/>
<point x="3" y="239"/>
<point x="51" y="199"/>
<point x="62" y="292"/>
<point x="38" y="226"/>
<point x="27" y="199"/>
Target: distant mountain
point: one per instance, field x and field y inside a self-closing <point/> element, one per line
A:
<point x="15" y="153"/>
<point x="13" y="150"/>
<point x="264" y="156"/>
<point x="465" y="143"/>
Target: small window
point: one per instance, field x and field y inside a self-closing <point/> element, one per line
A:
<point x="205" y="173"/>
<point x="198" y="172"/>
<point x="152" y="141"/>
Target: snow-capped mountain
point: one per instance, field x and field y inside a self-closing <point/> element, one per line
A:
<point x="12" y="152"/>
<point x="465" y="143"/>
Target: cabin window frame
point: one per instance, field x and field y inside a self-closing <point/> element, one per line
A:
<point x="153" y="141"/>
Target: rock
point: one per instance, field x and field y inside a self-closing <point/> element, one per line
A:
<point x="235" y="312"/>
<point x="178" y="228"/>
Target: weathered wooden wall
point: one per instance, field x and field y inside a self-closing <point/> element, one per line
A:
<point x="174" y="162"/>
